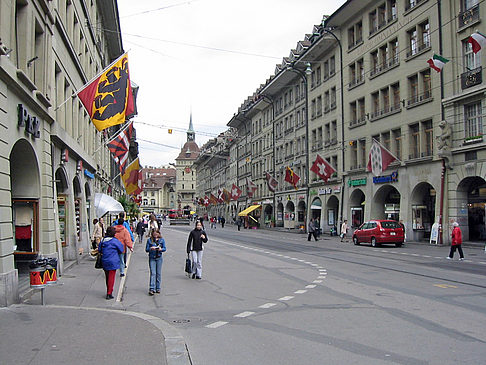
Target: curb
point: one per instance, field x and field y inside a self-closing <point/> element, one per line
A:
<point x="176" y="350"/>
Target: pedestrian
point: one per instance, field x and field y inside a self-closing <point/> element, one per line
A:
<point x="344" y="230"/>
<point x="456" y="242"/>
<point x="110" y="248"/>
<point x="195" y="247"/>
<point x="155" y="246"/>
<point x="238" y="223"/>
<point x="152" y="224"/>
<point x="121" y="218"/>
<point x="223" y="221"/>
<point x="404" y="231"/>
<point x="97" y="233"/>
<point x="311" y="230"/>
<point x="317" y="224"/>
<point x="121" y="233"/>
<point x="140" y="230"/>
<point x="201" y="219"/>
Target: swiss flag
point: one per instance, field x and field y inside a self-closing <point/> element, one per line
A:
<point x="206" y="201"/>
<point x="291" y="177"/>
<point x="250" y="188"/>
<point x="379" y="159"/>
<point x="220" y="196"/>
<point x="322" y="168"/>
<point x="235" y="192"/>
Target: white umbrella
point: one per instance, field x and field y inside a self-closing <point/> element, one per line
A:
<point x="106" y="204"/>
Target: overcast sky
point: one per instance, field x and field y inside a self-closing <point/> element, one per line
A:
<point x="205" y="55"/>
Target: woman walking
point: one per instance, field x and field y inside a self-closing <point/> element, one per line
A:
<point x="155" y="246"/>
<point x="344" y="230"/>
<point x="97" y="233"/>
<point x="152" y="225"/>
<point x="110" y="249"/>
<point x="195" y="247"/>
<point x="456" y="242"/>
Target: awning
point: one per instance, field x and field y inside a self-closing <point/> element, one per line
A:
<point x="250" y="209"/>
<point x="106" y="204"/>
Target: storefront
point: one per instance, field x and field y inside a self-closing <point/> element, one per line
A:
<point x="386" y="201"/>
<point x="423" y="200"/>
<point x="357" y="201"/>
<point x="471" y="199"/>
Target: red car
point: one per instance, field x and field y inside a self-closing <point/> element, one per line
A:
<point x="379" y="231"/>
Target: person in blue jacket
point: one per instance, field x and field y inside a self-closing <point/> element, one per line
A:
<point x="155" y="246"/>
<point x="110" y="248"/>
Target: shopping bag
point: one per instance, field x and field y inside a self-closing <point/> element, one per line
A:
<point x="98" y="263"/>
<point x="188" y="265"/>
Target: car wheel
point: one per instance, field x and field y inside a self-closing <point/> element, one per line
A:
<point x="373" y="242"/>
<point x="398" y="244"/>
<point x="355" y="240"/>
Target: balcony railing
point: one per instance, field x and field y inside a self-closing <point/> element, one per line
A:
<point x="355" y="43"/>
<point x="357" y="122"/>
<point x="468" y="16"/>
<point x="416" y="99"/>
<point x="385" y="66"/>
<point x="418" y="49"/>
<point x="410" y="4"/>
<point x="356" y="82"/>
<point x="472" y="78"/>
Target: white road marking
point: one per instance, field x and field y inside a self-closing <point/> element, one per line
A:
<point x="216" y="324"/>
<point x="288" y="297"/>
<point x="300" y="291"/>
<point x="414" y="254"/>
<point x="317" y="281"/>
<point x="310" y="286"/>
<point x="244" y="314"/>
<point x="427" y="256"/>
<point x="321" y="277"/>
<point x="307" y="262"/>
<point x="314" y="265"/>
<point x="322" y="270"/>
<point x="267" y="305"/>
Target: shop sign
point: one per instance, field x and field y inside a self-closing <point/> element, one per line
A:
<point x="79" y="166"/>
<point x="30" y="123"/>
<point x="386" y="179"/>
<point x="88" y="174"/>
<point x="312" y="192"/>
<point x="65" y="155"/>
<point x="357" y="182"/>
<point x="325" y="191"/>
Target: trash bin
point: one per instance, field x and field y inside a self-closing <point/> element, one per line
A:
<point x="51" y="271"/>
<point x="37" y="271"/>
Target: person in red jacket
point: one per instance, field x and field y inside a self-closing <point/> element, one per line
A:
<point x="456" y="242"/>
<point x="123" y="236"/>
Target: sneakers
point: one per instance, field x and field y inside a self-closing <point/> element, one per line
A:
<point x="157" y="291"/>
<point x="122" y="275"/>
<point x="448" y="258"/>
<point x="461" y="259"/>
<point x="109" y="296"/>
<point x="151" y="292"/>
<point x="193" y="276"/>
<point x="198" y="277"/>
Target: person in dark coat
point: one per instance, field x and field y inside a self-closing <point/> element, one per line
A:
<point x="311" y="230"/>
<point x="223" y="221"/>
<point x="456" y="242"/>
<point x="110" y="248"/>
<point x="238" y="223"/>
<point x="140" y="230"/>
<point x="195" y="247"/>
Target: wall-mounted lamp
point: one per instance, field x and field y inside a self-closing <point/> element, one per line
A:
<point x="31" y="61"/>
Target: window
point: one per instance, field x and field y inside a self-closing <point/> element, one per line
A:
<point x="333" y="132"/>
<point x="473" y="120"/>
<point x="152" y="201"/>
<point x="413" y="89"/>
<point x="396" y="96"/>
<point x="333" y="97"/>
<point x="332" y="66"/>
<point x="354" y="155"/>
<point x="319" y="106"/>
<point x="397" y="141"/>
<point x="428" y="132"/>
<point x="375" y="104"/>
<point x="361" y="109"/>
<point x="363" y="155"/>
<point x="471" y="60"/>
<point x="355" y="35"/>
<point x="326" y="102"/>
<point x="418" y="38"/>
<point x="414" y="141"/>
<point x="412" y="42"/>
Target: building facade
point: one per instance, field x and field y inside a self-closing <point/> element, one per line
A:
<point x="158" y="194"/>
<point x="52" y="158"/>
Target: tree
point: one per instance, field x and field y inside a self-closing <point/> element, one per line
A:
<point x="130" y="207"/>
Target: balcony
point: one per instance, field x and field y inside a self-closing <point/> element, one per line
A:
<point x="410" y="4"/>
<point x="468" y="17"/>
<point x="317" y="146"/>
<point x="356" y="82"/>
<point x="472" y="78"/>
<point x="378" y="114"/>
<point x="385" y="66"/>
<point x="419" y="49"/>
<point x="419" y="99"/>
<point x="354" y="44"/>
<point x="357" y="122"/>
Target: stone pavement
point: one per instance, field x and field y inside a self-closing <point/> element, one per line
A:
<point x="78" y="325"/>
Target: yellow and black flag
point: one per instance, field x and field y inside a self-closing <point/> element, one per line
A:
<point x="108" y="99"/>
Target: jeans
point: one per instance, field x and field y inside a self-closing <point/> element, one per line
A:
<point x="155" y="273"/>
<point x="122" y="263"/>
<point x="197" y="262"/>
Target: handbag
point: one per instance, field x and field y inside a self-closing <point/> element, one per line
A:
<point x="188" y="265"/>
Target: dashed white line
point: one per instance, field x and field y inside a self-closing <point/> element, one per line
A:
<point x="321" y="277"/>
<point x="300" y="291"/>
<point x="216" y="324"/>
<point x="267" y="305"/>
<point x="288" y="297"/>
<point x="317" y="281"/>
<point x="243" y="314"/>
<point x="311" y="286"/>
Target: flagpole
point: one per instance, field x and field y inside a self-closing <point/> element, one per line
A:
<point x="90" y="81"/>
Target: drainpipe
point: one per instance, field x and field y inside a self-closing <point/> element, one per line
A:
<point x="443" y="172"/>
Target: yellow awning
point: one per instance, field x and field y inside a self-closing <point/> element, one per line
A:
<point x="250" y="209"/>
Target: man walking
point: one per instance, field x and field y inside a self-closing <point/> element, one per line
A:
<point x="344" y="230"/>
<point x="311" y="230"/>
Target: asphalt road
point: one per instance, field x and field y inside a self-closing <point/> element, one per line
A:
<point x="271" y="297"/>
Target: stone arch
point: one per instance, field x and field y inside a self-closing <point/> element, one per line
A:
<point x="386" y="195"/>
<point x="24" y="171"/>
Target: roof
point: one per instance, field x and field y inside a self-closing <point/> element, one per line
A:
<point x="190" y="151"/>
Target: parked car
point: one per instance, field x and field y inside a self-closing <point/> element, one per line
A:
<point x="379" y="231"/>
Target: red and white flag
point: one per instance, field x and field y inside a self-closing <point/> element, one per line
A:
<point x="251" y="187"/>
<point x="478" y="41"/>
<point x="120" y="145"/>
<point x="220" y="196"/>
<point x="235" y="192"/>
<point x="291" y="177"/>
<point x="379" y="158"/>
<point x="272" y="182"/>
<point x="206" y="201"/>
<point x="322" y="168"/>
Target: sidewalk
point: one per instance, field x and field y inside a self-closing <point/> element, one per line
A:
<point x="78" y="325"/>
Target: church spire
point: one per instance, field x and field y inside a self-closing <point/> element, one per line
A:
<point x="190" y="132"/>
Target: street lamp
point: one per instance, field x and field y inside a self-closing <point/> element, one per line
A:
<point x="303" y="75"/>
<point x="329" y="31"/>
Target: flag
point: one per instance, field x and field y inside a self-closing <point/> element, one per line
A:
<point x="379" y="159"/>
<point x="200" y="201"/>
<point x="478" y="41"/>
<point x="437" y="62"/>
<point x="250" y="187"/>
<point x="291" y="177"/>
<point x="226" y="196"/>
<point x="206" y="201"/>
<point x="322" y="168"/>
<point x="108" y="99"/>
<point x="213" y="199"/>
<point x="132" y="178"/>
<point x="272" y="182"/>
<point x="235" y="192"/>
<point x="119" y="147"/>
<point x="220" y="196"/>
